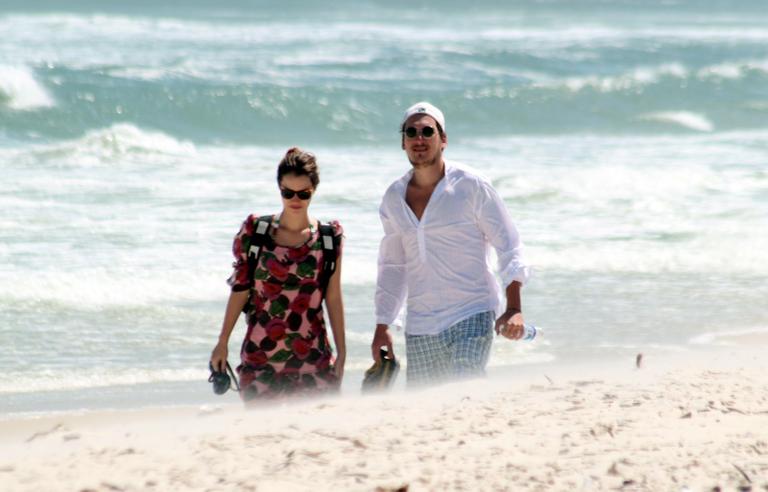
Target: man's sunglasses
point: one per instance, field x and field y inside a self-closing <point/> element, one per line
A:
<point x="426" y="132"/>
<point x="303" y="194"/>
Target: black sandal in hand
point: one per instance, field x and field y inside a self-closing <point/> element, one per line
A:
<point x="221" y="380"/>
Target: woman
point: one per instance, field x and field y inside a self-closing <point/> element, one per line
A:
<point x="286" y="349"/>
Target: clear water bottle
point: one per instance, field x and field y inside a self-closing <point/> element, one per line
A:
<point x="530" y="332"/>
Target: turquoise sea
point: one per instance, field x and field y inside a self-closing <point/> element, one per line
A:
<point x="629" y="140"/>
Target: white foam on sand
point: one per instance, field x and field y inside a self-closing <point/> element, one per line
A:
<point x="78" y="378"/>
<point x="757" y="335"/>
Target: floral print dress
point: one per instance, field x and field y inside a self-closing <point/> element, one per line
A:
<point x="286" y="349"/>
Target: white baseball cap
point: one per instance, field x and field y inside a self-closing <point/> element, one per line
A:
<point x="426" y="108"/>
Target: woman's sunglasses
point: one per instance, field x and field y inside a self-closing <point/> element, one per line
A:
<point x="426" y="132"/>
<point x="288" y="194"/>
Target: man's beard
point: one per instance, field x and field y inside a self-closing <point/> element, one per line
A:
<point x="436" y="160"/>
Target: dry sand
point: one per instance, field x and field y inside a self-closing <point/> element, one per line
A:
<point x="672" y="425"/>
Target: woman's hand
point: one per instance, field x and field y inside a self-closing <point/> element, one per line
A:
<point x="237" y="300"/>
<point x="341" y="359"/>
<point x="219" y="357"/>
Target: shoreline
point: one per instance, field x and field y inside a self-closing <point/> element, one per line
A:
<point x="197" y="393"/>
<point x="698" y="422"/>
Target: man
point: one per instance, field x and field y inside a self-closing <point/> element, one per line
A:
<point x="440" y="220"/>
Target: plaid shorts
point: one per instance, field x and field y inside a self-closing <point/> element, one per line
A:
<point x="458" y="352"/>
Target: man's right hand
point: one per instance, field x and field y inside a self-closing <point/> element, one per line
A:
<point x="219" y="357"/>
<point x="380" y="339"/>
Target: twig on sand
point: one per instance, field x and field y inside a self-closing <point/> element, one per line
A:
<point x="733" y="409"/>
<point x="44" y="433"/>
<point x="549" y="379"/>
<point x="742" y="473"/>
<point x="110" y="486"/>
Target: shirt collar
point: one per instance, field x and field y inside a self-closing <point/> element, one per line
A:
<point x="450" y="169"/>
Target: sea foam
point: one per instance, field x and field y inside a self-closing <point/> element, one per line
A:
<point x="79" y="378"/>
<point x="19" y="90"/>
<point x="685" y="119"/>
<point x="638" y="77"/>
<point x="112" y="145"/>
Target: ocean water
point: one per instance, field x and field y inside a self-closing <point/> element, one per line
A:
<point x="629" y="140"/>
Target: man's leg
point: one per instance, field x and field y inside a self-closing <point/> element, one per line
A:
<point x="428" y="359"/>
<point x="472" y="338"/>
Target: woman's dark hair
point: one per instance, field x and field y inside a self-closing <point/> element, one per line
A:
<point x="300" y="163"/>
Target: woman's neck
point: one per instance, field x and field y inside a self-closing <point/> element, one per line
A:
<point x="294" y="222"/>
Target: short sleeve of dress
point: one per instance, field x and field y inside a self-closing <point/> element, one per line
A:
<point x="338" y="232"/>
<point x="239" y="278"/>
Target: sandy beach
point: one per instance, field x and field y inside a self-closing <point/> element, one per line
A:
<point x="697" y="422"/>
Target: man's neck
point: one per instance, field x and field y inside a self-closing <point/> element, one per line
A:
<point x="428" y="176"/>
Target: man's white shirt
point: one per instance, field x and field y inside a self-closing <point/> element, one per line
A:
<point x="441" y="263"/>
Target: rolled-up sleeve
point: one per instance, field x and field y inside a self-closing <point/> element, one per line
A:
<point x="495" y="222"/>
<point x="391" y="286"/>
